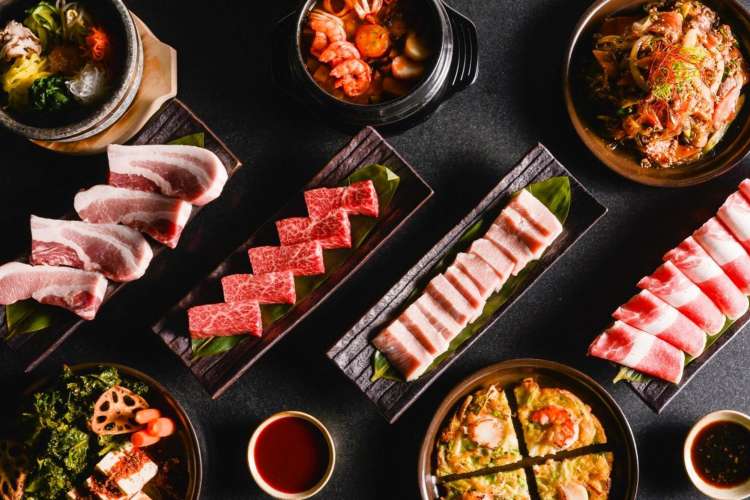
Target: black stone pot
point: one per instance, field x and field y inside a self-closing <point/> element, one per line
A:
<point x="454" y="68"/>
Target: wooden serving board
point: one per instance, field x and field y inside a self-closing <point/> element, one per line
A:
<point x="173" y="121"/>
<point x="353" y="352"/>
<point x="217" y="373"/>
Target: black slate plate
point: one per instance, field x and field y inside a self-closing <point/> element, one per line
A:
<point x="353" y="352"/>
<point x="174" y="120"/>
<point x="217" y="373"/>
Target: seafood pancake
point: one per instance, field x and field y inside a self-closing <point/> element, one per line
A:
<point x="502" y="485"/>
<point x="587" y="476"/>
<point x="554" y="420"/>
<point x="479" y="435"/>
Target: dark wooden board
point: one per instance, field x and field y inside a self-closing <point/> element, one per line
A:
<point x="172" y="121"/>
<point x="217" y="373"/>
<point x="353" y="352"/>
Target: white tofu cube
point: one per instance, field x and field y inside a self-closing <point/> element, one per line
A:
<point x="100" y="491"/>
<point x="140" y="469"/>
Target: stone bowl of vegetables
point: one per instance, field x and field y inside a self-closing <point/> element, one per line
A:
<point x="68" y="69"/>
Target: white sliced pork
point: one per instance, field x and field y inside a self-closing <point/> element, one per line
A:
<point x="726" y="251"/>
<point x="404" y="352"/>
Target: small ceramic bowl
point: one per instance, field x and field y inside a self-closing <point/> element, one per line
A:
<point x="270" y="490"/>
<point x="736" y="493"/>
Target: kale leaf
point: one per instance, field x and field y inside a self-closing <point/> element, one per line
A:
<point x="49" y="93"/>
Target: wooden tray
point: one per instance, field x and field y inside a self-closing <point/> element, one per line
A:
<point x="173" y="121"/>
<point x="217" y="373"/>
<point x="353" y="352"/>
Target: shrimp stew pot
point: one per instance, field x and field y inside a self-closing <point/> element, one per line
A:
<point x="388" y="63"/>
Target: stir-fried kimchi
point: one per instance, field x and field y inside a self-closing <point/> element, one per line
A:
<point x="671" y="81"/>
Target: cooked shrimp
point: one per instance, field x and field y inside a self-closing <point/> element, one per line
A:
<point x="338" y="52"/>
<point x="562" y="430"/>
<point x="367" y="9"/>
<point x="572" y="491"/>
<point x="328" y="24"/>
<point x="319" y="44"/>
<point x="487" y="431"/>
<point x="354" y="75"/>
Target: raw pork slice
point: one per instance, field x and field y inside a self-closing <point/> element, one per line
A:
<point x="160" y="217"/>
<point x="269" y="288"/>
<point x="745" y="188"/>
<point x="404" y="352"/>
<point x="726" y="251"/>
<point x="464" y="284"/>
<point x="359" y="198"/>
<point x="418" y="325"/>
<point x="735" y="214"/>
<point x="221" y="320"/>
<point x="484" y="277"/>
<point x="496" y="258"/>
<point x="673" y="287"/>
<point x="452" y="301"/>
<point x="303" y="259"/>
<point x="438" y="317"/>
<point x="190" y="173"/>
<point x="511" y="244"/>
<point x="537" y="213"/>
<point x="79" y="291"/>
<point x="650" y="314"/>
<point x="332" y="231"/>
<point x="700" y="268"/>
<point x="526" y="232"/>
<point x="640" y="351"/>
<point x="118" y="252"/>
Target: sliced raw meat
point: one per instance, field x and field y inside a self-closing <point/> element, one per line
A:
<point x="537" y="213"/>
<point x="438" y="317"/>
<point x="735" y="214"/>
<point x="673" y="287"/>
<point x="359" y="198"/>
<point x="302" y="259"/>
<point x="745" y="188"/>
<point x="452" y="301"/>
<point x="160" y="217"/>
<point x="221" y="320"/>
<point x="496" y="258"/>
<point x="419" y="326"/>
<point x="726" y="251"/>
<point x="190" y="173"/>
<point x="481" y="273"/>
<point x="332" y="231"/>
<point x="640" y="351"/>
<point x="466" y="286"/>
<point x="269" y="288"/>
<point x="118" y="252"/>
<point x="404" y="352"/>
<point x="79" y="291"/>
<point x="511" y="244"/>
<point x="650" y="314"/>
<point x="535" y="241"/>
<point x="700" y="268"/>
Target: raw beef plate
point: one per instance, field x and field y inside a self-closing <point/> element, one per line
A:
<point x="303" y="259"/>
<point x="269" y="288"/>
<point x="225" y="319"/>
<point x="79" y="291"/>
<point x="331" y="231"/>
<point x="360" y="198"/>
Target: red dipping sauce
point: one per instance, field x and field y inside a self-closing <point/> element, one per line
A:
<point x="291" y="454"/>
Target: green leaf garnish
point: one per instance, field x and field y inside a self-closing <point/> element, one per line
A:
<point x="28" y="316"/>
<point x="198" y="139"/>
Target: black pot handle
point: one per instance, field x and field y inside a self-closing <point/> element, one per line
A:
<point x="465" y="65"/>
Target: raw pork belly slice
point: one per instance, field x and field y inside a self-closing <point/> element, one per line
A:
<point x="484" y="277"/>
<point x="745" y="188"/>
<point x="332" y="231"/>
<point x="466" y="286"/>
<point x="496" y="258"/>
<point x="511" y="244"/>
<point x="303" y="259"/>
<point x="118" y="252"/>
<point x="190" y="173"/>
<point x="359" y="198"/>
<point x="640" y="351"/>
<point x="269" y="288"/>
<point x="160" y="217"/>
<point x="537" y="213"/>
<point x="438" y="317"/>
<point x="419" y="326"/>
<point x="221" y="320"/>
<point x="650" y="314"/>
<point x="735" y="214"/>
<point x="452" y="301"/>
<point x="404" y="352"/>
<point x="726" y="251"/>
<point x="700" y="268"/>
<point x="79" y="291"/>
<point x="535" y="241"/>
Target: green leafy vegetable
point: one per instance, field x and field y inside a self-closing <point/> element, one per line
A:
<point x="386" y="183"/>
<point x="49" y="94"/>
<point x="198" y="139"/>
<point x="44" y="20"/>
<point x="556" y="195"/>
<point x="28" y="316"/>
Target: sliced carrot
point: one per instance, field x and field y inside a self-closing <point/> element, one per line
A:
<point x="145" y="416"/>
<point x="161" y="427"/>
<point x="372" y="40"/>
<point x="141" y="439"/>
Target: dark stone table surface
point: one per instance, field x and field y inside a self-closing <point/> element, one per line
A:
<point x="462" y="151"/>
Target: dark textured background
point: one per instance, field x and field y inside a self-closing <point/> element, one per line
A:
<point x="462" y="151"/>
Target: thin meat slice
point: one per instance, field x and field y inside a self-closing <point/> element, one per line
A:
<point x="451" y="300"/>
<point x="160" y="217"/>
<point x="464" y="284"/>
<point x="511" y="244"/>
<point x="745" y="188"/>
<point x="650" y="314"/>
<point x="79" y="291"/>
<point x="332" y="231"/>
<point x="118" y="252"/>
<point x="419" y="326"/>
<point x="496" y="258"/>
<point x="700" y="268"/>
<point x="537" y="213"/>
<point x="726" y="251"/>
<point x="735" y="214"/>
<point x="225" y="319"/>
<point x="674" y="288"/>
<point x="359" y="198"/>
<point x="484" y="277"/>
<point x="268" y="288"/>
<point x="438" y="317"/>
<point x="640" y="351"/>
<point x="302" y="259"/>
<point x="535" y="241"/>
<point x="189" y="173"/>
<point x="403" y="351"/>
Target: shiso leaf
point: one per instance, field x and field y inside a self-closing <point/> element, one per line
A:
<point x="556" y="195"/>
<point x="197" y="139"/>
<point x="28" y="316"/>
<point x="386" y="184"/>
